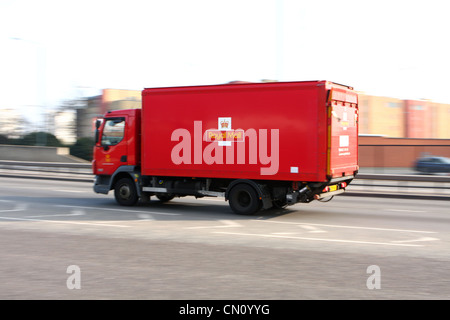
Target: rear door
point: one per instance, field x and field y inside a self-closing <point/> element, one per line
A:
<point x="342" y="132"/>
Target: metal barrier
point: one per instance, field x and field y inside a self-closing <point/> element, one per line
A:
<point x="415" y="186"/>
<point x="81" y="172"/>
<point x="403" y="177"/>
<point x="45" y="164"/>
<point x="381" y="183"/>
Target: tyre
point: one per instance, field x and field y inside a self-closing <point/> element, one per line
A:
<point x="125" y="192"/>
<point x="244" y="199"/>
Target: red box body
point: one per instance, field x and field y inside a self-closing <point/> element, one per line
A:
<point x="294" y="131"/>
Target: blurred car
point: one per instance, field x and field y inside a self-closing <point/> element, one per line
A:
<point x="432" y="165"/>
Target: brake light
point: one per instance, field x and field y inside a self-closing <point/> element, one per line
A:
<point x="343" y="184"/>
<point x="326" y="189"/>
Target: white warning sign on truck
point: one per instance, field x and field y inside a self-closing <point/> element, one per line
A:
<point x="344" y="142"/>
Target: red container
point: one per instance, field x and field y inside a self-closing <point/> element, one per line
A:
<point x="291" y="131"/>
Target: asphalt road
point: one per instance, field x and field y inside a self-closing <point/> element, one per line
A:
<point x="58" y="235"/>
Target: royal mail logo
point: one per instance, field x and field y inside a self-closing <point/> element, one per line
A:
<point x="224" y="124"/>
<point x="224" y="134"/>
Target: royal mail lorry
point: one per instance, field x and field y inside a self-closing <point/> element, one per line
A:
<point x="257" y="145"/>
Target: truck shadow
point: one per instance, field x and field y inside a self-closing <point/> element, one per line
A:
<point x="214" y="210"/>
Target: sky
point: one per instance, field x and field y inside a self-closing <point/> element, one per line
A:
<point x="53" y="50"/>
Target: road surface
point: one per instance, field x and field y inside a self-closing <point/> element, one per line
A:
<point x="59" y="240"/>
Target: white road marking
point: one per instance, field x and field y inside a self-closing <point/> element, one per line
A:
<point x="19" y="207"/>
<point x="283" y="233"/>
<point x="121" y="210"/>
<point x="405" y="210"/>
<point x="225" y="224"/>
<point x="319" y="239"/>
<point x="74" y="191"/>
<point x="74" y="213"/>
<point x="345" y="226"/>
<point x="50" y="189"/>
<point x="312" y="229"/>
<point x="145" y="217"/>
<point x="416" y="240"/>
<point x="65" y="222"/>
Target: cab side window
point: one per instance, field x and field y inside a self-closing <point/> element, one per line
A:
<point x="113" y="131"/>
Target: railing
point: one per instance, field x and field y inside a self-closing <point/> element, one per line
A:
<point x="81" y="172"/>
<point x="45" y="164"/>
<point x="420" y="185"/>
<point x="381" y="183"/>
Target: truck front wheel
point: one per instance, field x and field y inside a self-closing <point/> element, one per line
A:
<point x="125" y="192"/>
<point x="244" y="199"/>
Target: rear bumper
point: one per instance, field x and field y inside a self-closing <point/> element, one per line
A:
<point x="341" y="179"/>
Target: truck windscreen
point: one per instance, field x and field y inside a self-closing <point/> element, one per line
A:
<point x="113" y="131"/>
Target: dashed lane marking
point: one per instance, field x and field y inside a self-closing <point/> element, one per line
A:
<point x="18" y="207"/>
<point x="225" y="224"/>
<point x="344" y="226"/>
<point x="72" y="214"/>
<point x="406" y="210"/>
<point x="312" y="229"/>
<point x="65" y="222"/>
<point x="318" y="239"/>
<point x="145" y="217"/>
<point x="416" y="240"/>
<point x="121" y="210"/>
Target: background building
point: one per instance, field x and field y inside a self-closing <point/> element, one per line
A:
<point x="12" y="124"/>
<point x="385" y="116"/>
<point x="97" y="106"/>
<point x="396" y="118"/>
<point x="381" y="116"/>
<point x="442" y="120"/>
<point x="85" y="119"/>
<point x="65" y="126"/>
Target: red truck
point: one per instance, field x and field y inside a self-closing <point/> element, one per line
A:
<point x="258" y="145"/>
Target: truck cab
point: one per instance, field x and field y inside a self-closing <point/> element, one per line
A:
<point x="117" y="146"/>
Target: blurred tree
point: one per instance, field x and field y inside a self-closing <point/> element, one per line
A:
<point x="40" y="139"/>
<point x="83" y="148"/>
<point x="4" y="139"/>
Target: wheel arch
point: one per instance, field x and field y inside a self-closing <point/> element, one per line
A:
<point x="244" y="181"/>
<point x="261" y="190"/>
<point x="127" y="172"/>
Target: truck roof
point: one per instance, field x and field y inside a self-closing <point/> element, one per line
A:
<point x="233" y="84"/>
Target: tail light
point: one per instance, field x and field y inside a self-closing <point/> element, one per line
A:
<point x="343" y="184"/>
<point x="326" y="189"/>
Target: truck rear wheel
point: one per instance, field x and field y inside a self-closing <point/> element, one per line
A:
<point x="244" y="199"/>
<point x="125" y="192"/>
